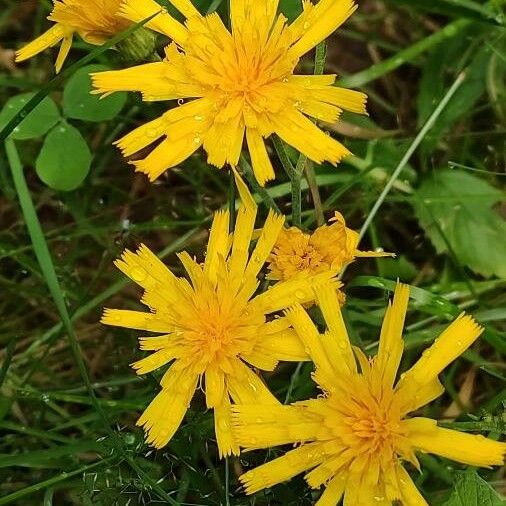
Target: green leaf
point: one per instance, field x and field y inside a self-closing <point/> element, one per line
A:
<point x="290" y="8"/>
<point x="455" y="209"/>
<point x="64" y="160"/>
<point x="457" y="8"/>
<point x="37" y="123"/>
<point x="79" y="103"/>
<point x="471" y="490"/>
<point x="465" y="98"/>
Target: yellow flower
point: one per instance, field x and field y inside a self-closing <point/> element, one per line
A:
<point x="353" y="439"/>
<point x="212" y="325"/>
<point x="94" y="20"/>
<point x="328" y="247"/>
<point x="239" y="82"/>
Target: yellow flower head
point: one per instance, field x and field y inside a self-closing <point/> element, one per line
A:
<point x="94" y="20"/>
<point x="239" y="82"/>
<point x="212" y="325"/>
<point x="329" y="247"/>
<point x="353" y="439"/>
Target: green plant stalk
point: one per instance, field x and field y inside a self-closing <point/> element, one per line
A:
<point x="48" y="270"/>
<point x="406" y="55"/>
<point x="294" y="177"/>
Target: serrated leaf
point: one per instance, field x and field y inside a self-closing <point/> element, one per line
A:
<point x="79" y="103"/>
<point x="471" y="490"/>
<point x="37" y="123"/>
<point x="64" y="160"/>
<point x="455" y="209"/>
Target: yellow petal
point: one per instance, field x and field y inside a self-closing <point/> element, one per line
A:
<point x="246" y="387"/>
<point x="335" y="342"/>
<point x="328" y="16"/>
<point x="293" y="291"/>
<point x="48" y="39"/>
<point x="264" y="426"/>
<point x="281" y="469"/>
<point x="454" y="340"/>
<point x="284" y="345"/>
<point x="218" y="244"/>
<point x="332" y="493"/>
<point x="227" y="445"/>
<point x="416" y="396"/>
<point x="139" y="10"/>
<point x="265" y="243"/>
<point x="63" y="52"/>
<point x="215" y="386"/>
<point x="426" y="436"/>
<point x="410" y="494"/>
<point x="156" y="360"/>
<point x="391" y="344"/>
<point x="136" y="320"/>
<point x="310" y="337"/>
<point x="260" y="161"/>
<point x="165" y="413"/>
<point x="349" y="100"/>
<point x="260" y="360"/>
<point x="185" y="7"/>
<point x="166" y="155"/>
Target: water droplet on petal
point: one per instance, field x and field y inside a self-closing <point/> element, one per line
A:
<point x="138" y="274"/>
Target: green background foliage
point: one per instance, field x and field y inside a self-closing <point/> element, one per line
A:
<point x="68" y="399"/>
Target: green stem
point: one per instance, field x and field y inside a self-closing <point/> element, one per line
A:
<point x="406" y="55"/>
<point x="294" y="174"/>
<point x="48" y="270"/>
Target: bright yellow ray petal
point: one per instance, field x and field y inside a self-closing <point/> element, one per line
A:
<point x="243" y="231"/>
<point x="156" y="360"/>
<point x="453" y="341"/>
<point x="166" y="155"/>
<point x="333" y="492"/>
<point x="139" y="10"/>
<point x="301" y="133"/>
<point x="48" y="39"/>
<point x="284" y="345"/>
<point x="349" y="100"/>
<point x="281" y="469"/>
<point x="260" y="360"/>
<point x="227" y="445"/>
<point x="137" y="78"/>
<point x="260" y="161"/>
<point x="268" y="236"/>
<point x="391" y="344"/>
<point x="310" y="337"/>
<point x="223" y="141"/>
<point x="165" y="413"/>
<point x="65" y="47"/>
<point x="257" y="426"/>
<point x="410" y="494"/>
<point x="215" y="386"/>
<point x="135" y="320"/>
<point x="426" y="436"/>
<point x="192" y="267"/>
<point x="416" y="396"/>
<point x="217" y="245"/>
<point x="328" y="16"/>
<point x="146" y="269"/>
<point x="335" y="342"/>
<point x="331" y="466"/>
<point x="246" y="387"/>
<point x="293" y="291"/>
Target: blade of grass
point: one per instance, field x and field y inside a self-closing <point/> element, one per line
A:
<point x="47" y="267"/>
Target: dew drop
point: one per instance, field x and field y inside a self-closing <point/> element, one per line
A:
<point x="152" y="133"/>
<point x="300" y="294"/>
<point x="196" y="139"/>
<point x="198" y="118"/>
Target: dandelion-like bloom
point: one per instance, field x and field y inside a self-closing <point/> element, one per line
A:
<point x="329" y="247"/>
<point x="213" y="325"/>
<point x="241" y="84"/>
<point x="94" y="20"/>
<point x="354" y="438"/>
